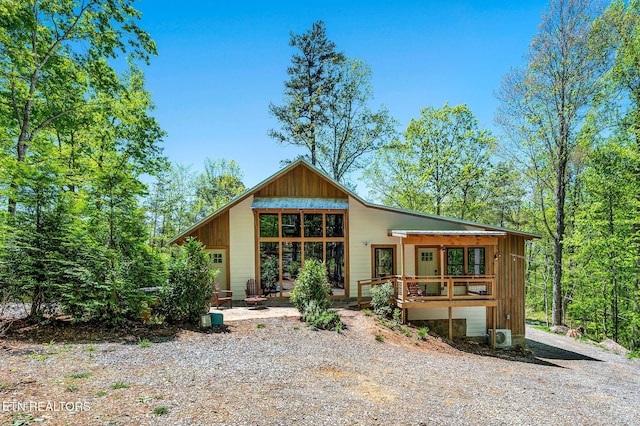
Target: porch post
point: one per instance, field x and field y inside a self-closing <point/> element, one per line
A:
<point x="495" y="320"/>
<point x="450" y="323"/>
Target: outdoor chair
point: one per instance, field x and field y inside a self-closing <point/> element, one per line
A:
<point x="253" y="294"/>
<point x="220" y="297"/>
<point x="412" y="289"/>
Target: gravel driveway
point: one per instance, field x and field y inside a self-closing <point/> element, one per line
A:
<point x="280" y="372"/>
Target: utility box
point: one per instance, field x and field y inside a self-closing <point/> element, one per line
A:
<point x="216" y="318"/>
<point x="205" y="321"/>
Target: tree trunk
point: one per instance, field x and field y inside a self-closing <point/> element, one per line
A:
<point x="560" y="195"/>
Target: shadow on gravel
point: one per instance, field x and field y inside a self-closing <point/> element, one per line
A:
<point x="543" y="350"/>
<point x="536" y="353"/>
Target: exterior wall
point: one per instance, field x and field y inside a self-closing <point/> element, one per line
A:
<point x="510" y="276"/>
<point x="301" y="182"/>
<point x="369" y="226"/>
<point x="475" y="316"/>
<point x="242" y="247"/>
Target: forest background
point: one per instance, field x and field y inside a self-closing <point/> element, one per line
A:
<point x="91" y="202"/>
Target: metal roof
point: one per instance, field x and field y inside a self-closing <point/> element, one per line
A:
<point x="406" y="232"/>
<point x="300" y="203"/>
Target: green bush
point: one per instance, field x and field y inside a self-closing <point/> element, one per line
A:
<point x="190" y="283"/>
<point x="311" y="284"/>
<point x="422" y="333"/>
<point x="311" y="297"/>
<point x="320" y="318"/>
<point x="380" y="297"/>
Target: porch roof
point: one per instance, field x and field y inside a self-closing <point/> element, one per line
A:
<point x="300" y="203"/>
<point x="403" y="233"/>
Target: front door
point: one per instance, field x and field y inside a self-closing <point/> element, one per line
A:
<point x="428" y="266"/>
<point x="219" y="260"/>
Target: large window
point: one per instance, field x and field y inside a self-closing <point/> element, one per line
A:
<point x="288" y="238"/>
<point x="383" y="261"/>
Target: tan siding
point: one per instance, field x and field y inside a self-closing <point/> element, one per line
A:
<point x="475" y="316"/>
<point x="371" y="226"/>
<point x="242" y="247"/>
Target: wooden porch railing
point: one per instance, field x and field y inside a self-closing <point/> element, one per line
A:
<point x="448" y="287"/>
<point x="365" y="285"/>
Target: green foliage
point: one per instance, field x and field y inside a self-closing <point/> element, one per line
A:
<point x="397" y="316"/>
<point x="293" y="268"/>
<point x="321" y="318"/>
<point x="160" y="411"/>
<point x="82" y="375"/>
<point x="190" y="282"/>
<point x="422" y="333"/>
<point x="379" y="338"/>
<point x="270" y="272"/>
<point x="311" y="285"/>
<point x="261" y="325"/>
<point x="380" y="299"/>
<point x="366" y="312"/>
<point x="306" y="93"/>
<point x="120" y="385"/>
<point x="438" y="168"/>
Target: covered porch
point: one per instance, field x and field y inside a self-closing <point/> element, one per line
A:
<point x="443" y="269"/>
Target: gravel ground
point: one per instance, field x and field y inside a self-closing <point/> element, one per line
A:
<point x="284" y="373"/>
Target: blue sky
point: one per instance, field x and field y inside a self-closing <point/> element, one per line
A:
<point x="221" y="63"/>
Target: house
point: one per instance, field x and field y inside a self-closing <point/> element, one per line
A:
<point x="466" y="274"/>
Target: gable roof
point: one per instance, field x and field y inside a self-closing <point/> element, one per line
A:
<point x="340" y="188"/>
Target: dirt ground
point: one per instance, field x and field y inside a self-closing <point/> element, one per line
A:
<point x="274" y="370"/>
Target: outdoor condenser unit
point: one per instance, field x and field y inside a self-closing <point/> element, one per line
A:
<point x="503" y="338"/>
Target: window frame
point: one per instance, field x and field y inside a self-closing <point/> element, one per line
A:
<point x="374" y="249"/>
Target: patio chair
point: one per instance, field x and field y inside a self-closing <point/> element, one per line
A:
<point x="220" y="297"/>
<point x="253" y="294"/>
<point x="412" y="289"/>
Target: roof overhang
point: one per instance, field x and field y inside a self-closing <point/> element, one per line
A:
<point x="448" y="237"/>
<point x="402" y="233"/>
<point x="300" y="203"/>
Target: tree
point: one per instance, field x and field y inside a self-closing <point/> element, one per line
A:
<point x="306" y="92"/>
<point x="603" y="241"/>
<point x="219" y="183"/>
<point x="543" y="106"/>
<point x="438" y="166"/>
<point x="181" y="197"/>
<point x="352" y="130"/>
<point x="53" y="54"/>
<point x="624" y="23"/>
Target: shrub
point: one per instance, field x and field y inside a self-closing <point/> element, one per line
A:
<point x="422" y="333"/>
<point x="320" y="318"/>
<point x="380" y="296"/>
<point x="311" y="284"/>
<point x="190" y="283"/>
<point x="397" y="316"/>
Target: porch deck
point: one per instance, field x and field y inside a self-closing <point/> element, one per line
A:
<point x="444" y="291"/>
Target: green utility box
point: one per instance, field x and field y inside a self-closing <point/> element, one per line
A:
<point x="217" y="318"/>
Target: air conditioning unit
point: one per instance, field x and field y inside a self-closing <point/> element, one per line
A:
<point x="503" y="338"/>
